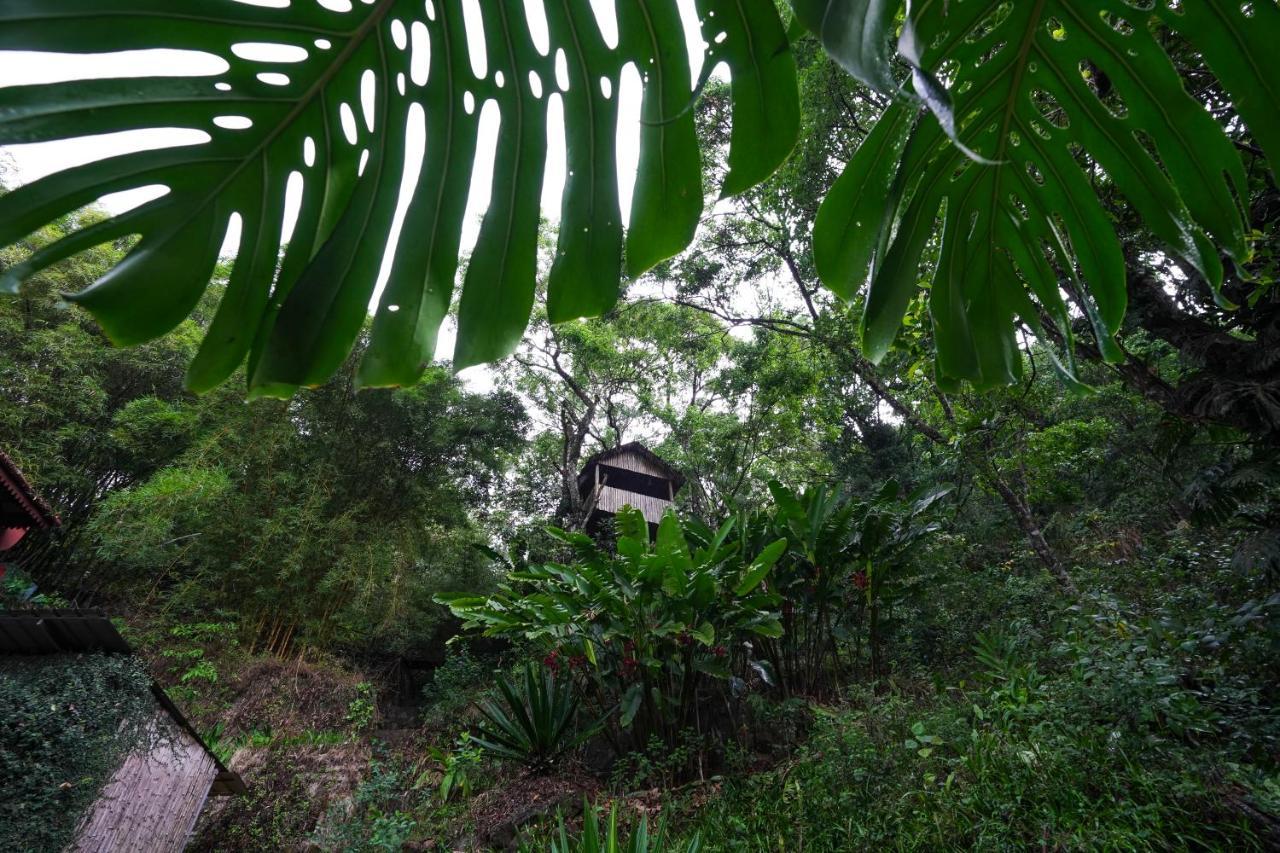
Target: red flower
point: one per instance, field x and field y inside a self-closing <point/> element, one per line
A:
<point x="552" y="661"/>
<point x="719" y="651"/>
<point x="860" y="579"/>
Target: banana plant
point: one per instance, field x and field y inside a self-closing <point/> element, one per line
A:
<point x="889" y="529"/>
<point x="811" y="576"/>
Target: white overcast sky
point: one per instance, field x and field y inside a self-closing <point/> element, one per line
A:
<point x="31" y="162"/>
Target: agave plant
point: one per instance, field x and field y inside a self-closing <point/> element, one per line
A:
<point x="534" y="723"/>
<point x="1026" y="104"/>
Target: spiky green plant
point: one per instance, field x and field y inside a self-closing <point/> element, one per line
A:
<point x="534" y="722"/>
<point x="605" y="838"/>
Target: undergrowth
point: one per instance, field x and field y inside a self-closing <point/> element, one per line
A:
<point x="67" y="723"/>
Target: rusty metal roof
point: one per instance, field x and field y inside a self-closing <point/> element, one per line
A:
<point x="60" y="632"/>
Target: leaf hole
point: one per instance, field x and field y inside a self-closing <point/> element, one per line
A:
<point x="1117" y="23"/>
<point x="420" y="58"/>
<point x="294" y="188"/>
<point x="606" y="16"/>
<point x="233" y="122"/>
<point x="257" y="51"/>
<point x="347" y="118"/>
<point x="477" y="48"/>
<point x="1100" y="84"/>
<point x="1050" y="109"/>
<point x="535" y="14"/>
<point x="274" y="78"/>
<point x="369" y="97"/>
<point x="562" y="70"/>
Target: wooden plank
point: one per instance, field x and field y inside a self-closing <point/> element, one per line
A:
<point x="612" y="500"/>
<point x="635" y="462"/>
<point x="153" y="799"/>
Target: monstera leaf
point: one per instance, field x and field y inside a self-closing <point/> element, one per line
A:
<point x="1042" y="98"/>
<point x="330" y="110"/>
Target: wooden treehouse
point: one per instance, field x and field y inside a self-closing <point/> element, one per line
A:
<point x="629" y="475"/>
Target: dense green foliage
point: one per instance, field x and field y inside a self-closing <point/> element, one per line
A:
<point x="1087" y="729"/>
<point x="596" y="838"/>
<point x="266" y="509"/>
<point x="649" y="629"/>
<point x="68" y="721"/>
<point x="885" y="610"/>
<point x="1037" y="101"/>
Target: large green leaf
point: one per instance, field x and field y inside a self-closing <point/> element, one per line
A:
<point x="294" y="311"/>
<point x="1044" y="97"/>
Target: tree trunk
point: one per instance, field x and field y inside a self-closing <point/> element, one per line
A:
<point x="1031" y="529"/>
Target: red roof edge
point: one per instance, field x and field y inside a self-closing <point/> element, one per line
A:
<point x="13" y="481"/>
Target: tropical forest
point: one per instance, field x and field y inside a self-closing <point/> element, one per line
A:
<point x="639" y="426"/>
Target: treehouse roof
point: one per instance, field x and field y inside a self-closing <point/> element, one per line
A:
<point x="625" y="457"/>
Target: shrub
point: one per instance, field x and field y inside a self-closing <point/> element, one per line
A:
<point x="68" y="721"/>
<point x="606" y="838"/>
<point x="646" y="630"/>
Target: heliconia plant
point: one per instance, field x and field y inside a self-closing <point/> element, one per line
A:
<point x="645" y="631"/>
<point x="834" y="573"/>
